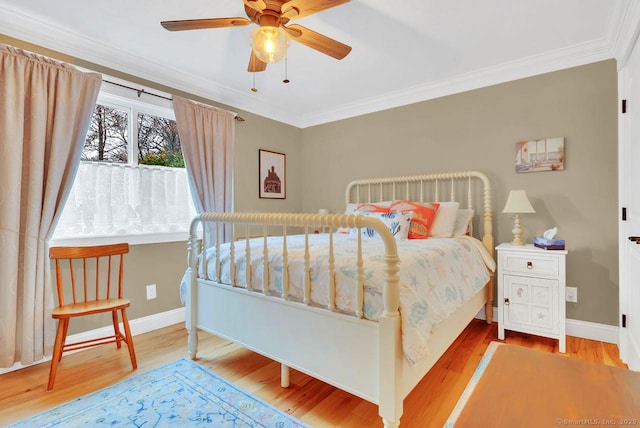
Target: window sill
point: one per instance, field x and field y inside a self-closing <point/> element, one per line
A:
<point x="132" y="239"/>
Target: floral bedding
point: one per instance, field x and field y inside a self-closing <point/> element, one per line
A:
<point x="437" y="276"/>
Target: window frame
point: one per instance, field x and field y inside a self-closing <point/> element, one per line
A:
<point x="134" y="102"/>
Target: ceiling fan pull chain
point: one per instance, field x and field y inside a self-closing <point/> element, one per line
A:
<point x="286" y="61"/>
<point x="254" y="89"/>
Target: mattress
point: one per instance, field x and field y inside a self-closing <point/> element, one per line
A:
<point x="437" y="276"/>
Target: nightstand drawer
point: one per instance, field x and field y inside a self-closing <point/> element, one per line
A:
<point x="522" y="263"/>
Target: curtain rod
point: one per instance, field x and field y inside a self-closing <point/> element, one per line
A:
<point x="142" y="91"/>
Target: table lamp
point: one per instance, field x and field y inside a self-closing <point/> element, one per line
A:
<point x="517" y="203"/>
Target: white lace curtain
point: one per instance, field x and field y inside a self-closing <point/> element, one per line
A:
<point x="45" y="110"/>
<point x="114" y="199"/>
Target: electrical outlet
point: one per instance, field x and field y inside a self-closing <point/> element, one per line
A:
<point x="571" y="294"/>
<point x="151" y="291"/>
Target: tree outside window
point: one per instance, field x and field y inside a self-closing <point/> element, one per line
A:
<point x="107" y="139"/>
<point x="158" y="141"/>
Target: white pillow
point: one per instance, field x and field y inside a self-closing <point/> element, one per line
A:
<point x="398" y="224"/>
<point x="445" y="220"/>
<point x="463" y="221"/>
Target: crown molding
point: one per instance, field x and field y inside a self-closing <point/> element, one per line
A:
<point x="625" y="34"/>
<point x="625" y="28"/>
<point x="531" y="66"/>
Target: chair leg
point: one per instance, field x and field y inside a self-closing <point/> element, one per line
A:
<point x="64" y="336"/>
<point x="127" y="331"/>
<point x="57" y="351"/>
<point x="116" y="328"/>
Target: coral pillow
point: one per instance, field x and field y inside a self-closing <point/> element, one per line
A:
<point x="378" y="207"/>
<point x="423" y="215"/>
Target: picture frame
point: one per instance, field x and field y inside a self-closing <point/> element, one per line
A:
<point x="272" y="175"/>
<point x="546" y="154"/>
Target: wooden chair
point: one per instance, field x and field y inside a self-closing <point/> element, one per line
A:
<point x="88" y="297"/>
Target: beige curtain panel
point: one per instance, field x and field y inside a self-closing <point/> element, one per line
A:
<point x="207" y="139"/>
<point x="45" y="110"/>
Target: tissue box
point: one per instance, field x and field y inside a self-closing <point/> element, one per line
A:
<point x="548" y="244"/>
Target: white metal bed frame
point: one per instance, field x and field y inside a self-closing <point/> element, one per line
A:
<point x="320" y="341"/>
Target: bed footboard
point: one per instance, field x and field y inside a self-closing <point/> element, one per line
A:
<point x="385" y="333"/>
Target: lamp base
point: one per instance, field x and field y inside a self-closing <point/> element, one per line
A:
<point x="517" y="231"/>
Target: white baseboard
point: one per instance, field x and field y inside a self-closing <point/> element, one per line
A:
<point x="593" y="331"/>
<point x="138" y="326"/>
<point x="583" y="329"/>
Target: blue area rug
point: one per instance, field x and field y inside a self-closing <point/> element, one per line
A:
<point x="179" y="394"/>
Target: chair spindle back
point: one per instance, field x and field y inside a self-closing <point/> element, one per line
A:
<point x="88" y="259"/>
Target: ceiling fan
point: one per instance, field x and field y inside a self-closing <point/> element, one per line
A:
<point x="271" y="39"/>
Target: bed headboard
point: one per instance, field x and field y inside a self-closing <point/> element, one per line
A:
<point x="471" y="188"/>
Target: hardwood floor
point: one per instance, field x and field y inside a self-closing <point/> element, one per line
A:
<point x="23" y="392"/>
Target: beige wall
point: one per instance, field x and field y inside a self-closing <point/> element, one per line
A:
<point x="478" y="130"/>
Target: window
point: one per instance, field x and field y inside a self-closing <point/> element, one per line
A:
<point x="158" y="141"/>
<point x="131" y="184"/>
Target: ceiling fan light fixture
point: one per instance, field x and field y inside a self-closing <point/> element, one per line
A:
<point x="269" y="43"/>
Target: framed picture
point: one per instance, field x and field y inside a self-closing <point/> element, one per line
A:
<point x="546" y="154"/>
<point x="272" y="175"/>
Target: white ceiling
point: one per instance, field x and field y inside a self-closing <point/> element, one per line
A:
<point x="404" y="51"/>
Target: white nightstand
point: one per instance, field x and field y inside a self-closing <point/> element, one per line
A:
<point x="531" y="291"/>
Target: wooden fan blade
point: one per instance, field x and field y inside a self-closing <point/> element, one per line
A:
<point x="199" y="24"/>
<point x="317" y="41"/>
<point x="256" y="64"/>
<point x="295" y="9"/>
<point x="257" y="5"/>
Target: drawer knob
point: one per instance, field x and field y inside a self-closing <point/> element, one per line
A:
<point x="506" y="301"/>
<point x="529" y="265"/>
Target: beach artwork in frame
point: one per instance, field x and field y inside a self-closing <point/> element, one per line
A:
<point x="273" y="175"/>
<point x="546" y="154"/>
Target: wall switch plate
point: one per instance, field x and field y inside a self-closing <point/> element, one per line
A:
<point x="571" y="294"/>
<point x="151" y="291"/>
